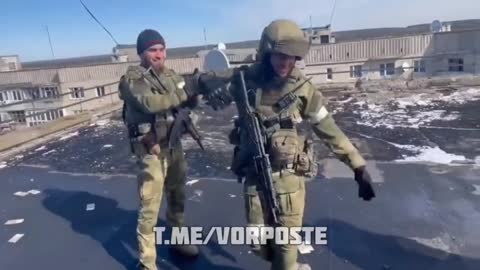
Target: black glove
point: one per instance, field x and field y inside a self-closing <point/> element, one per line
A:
<point x="364" y="181"/>
<point x="192" y="102"/>
<point x="219" y="98"/>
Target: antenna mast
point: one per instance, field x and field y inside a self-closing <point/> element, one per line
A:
<point x="205" y="37"/>
<point x="333" y="12"/>
<point x="93" y="16"/>
<point x="49" y="41"/>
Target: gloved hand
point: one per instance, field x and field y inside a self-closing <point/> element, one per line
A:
<point x="219" y="98"/>
<point x="193" y="101"/>
<point x="214" y="90"/>
<point x="364" y="181"/>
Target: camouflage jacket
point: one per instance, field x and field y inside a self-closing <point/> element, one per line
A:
<point x="146" y="94"/>
<point x="310" y="105"/>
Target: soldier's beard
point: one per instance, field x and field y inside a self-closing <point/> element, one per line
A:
<point x="158" y="66"/>
<point x="159" y="69"/>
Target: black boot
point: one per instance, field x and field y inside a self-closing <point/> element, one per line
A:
<point x="185" y="250"/>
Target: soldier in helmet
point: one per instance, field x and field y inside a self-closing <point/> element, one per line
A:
<point x="291" y="154"/>
<point x="152" y="93"/>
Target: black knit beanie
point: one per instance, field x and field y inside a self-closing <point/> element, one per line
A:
<point x="148" y="38"/>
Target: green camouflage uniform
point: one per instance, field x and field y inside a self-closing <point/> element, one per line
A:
<point x="291" y="161"/>
<point x="291" y="154"/>
<point x="148" y="101"/>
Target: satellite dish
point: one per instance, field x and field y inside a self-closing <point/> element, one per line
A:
<point x="216" y="60"/>
<point x="436" y="26"/>
<point x="222" y="46"/>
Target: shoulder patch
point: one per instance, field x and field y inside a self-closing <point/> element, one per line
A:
<point x="178" y="79"/>
<point x="181" y="85"/>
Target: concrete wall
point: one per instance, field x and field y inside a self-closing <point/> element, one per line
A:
<point x="44" y="76"/>
<point x="462" y="41"/>
<point x="131" y="53"/>
<point x="369" y="49"/>
<point x="10" y="63"/>
<point x="90" y="91"/>
<point x="370" y="70"/>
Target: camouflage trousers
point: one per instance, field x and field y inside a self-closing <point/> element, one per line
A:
<point x="290" y="189"/>
<point x="158" y="174"/>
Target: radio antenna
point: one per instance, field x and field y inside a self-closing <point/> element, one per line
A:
<point x="104" y="28"/>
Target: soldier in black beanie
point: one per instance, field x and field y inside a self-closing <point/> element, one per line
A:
<point x="147" y="38"/>
<point x="152" y="95"/>
<point x="151" y="49"/>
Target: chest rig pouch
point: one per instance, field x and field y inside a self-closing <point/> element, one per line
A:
<point x="163" y="123"/>
<point x="288" y="150"/>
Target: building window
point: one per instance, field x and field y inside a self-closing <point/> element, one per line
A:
<point x="348" y="54"/>
<point x="100" y="91"/>
<point x="455" y="65"/>
<point x="329" y="74"/>
<point x="356" y="71"/>
<point x="17" y="95"/>
<point x="1" y="97"/>
<point x="50" y="92"/>
<point x="387" y="69"/>
<point x="324" y="39"/>
<point x="44" y="116"/>
<point x="419" y="66"/>
<point x="35" y="93"/>
<point x="77" y="93"/>
<point x="17" y="116"/>
<point x="12" y="66"/>
<point x="330" y="56"/>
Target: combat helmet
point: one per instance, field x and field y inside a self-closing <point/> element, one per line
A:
<point x="283" y="36"/>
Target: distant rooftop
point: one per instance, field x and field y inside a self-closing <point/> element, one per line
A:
<point x="360" y="34"/>
<point x="193" y="51"/>
<point x="69" y="62"/>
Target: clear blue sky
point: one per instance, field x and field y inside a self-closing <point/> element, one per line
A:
<point x="181" y="22"/>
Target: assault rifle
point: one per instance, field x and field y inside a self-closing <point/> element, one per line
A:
<point x="256" y="150"/>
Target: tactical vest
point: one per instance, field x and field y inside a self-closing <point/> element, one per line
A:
<point x="145" y="84"/>
<point x="287" y="147"/>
